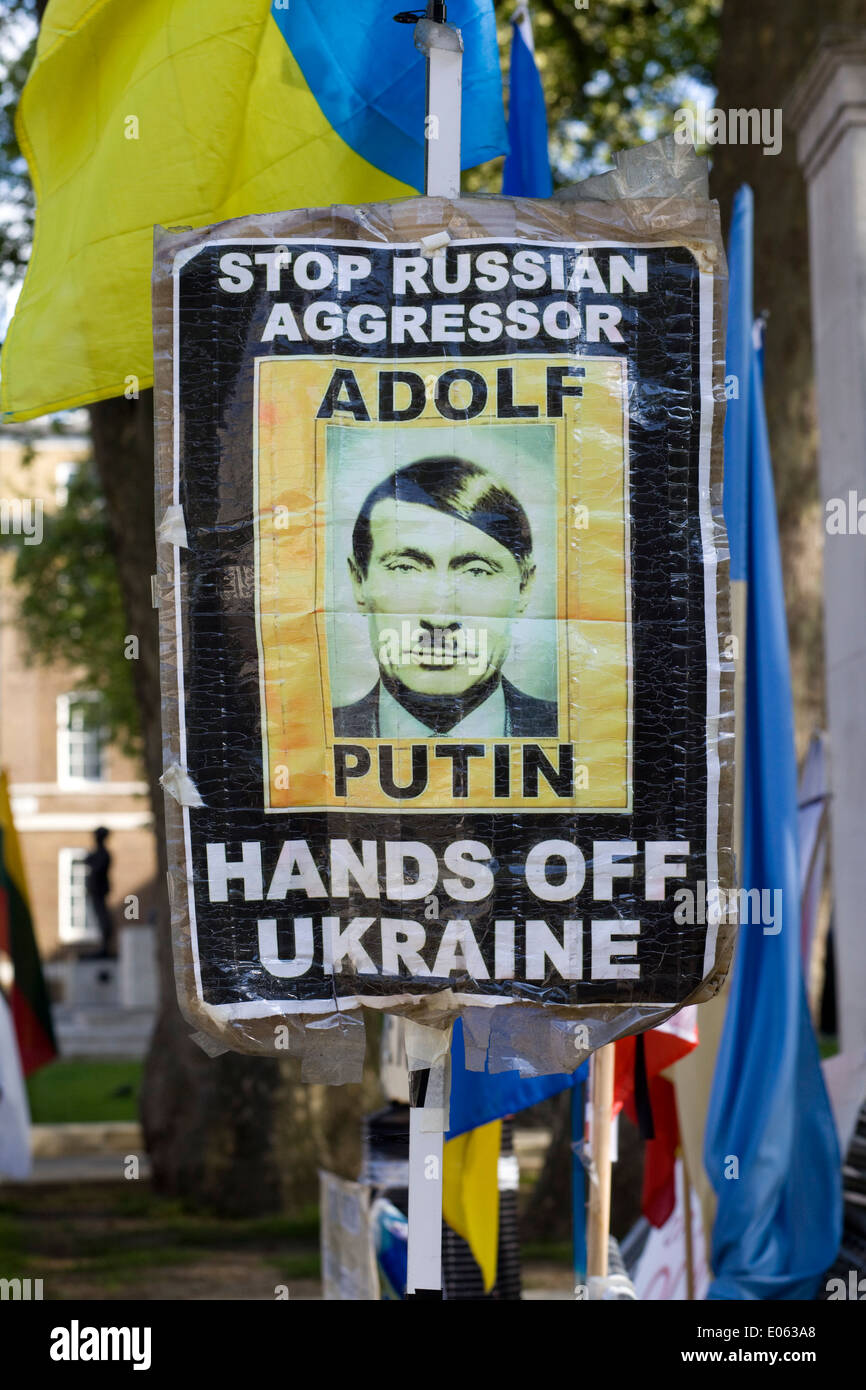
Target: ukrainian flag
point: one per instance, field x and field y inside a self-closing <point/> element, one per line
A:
<point x="188" y="112"/>
<point x="470" y="1198"/>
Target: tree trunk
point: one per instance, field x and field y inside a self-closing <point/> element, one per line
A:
<point x="240" y="1135"/>
<point x="548" y="1215"/>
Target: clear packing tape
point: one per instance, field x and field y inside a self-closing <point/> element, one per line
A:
<point x="250" y="647"/>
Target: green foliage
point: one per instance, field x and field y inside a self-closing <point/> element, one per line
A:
<point x="70" y="608"/>
<point x="17" y="46"/>
<point x="550" y="1252"/>
<point x="613" y="74"/>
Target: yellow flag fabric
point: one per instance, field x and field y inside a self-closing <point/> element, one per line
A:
<point x="144" y="112"/>
<point x="470" y="1200"/>
<point x="28" y="994"/>
<point x="10" y="850"/>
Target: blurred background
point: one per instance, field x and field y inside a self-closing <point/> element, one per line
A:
<point x="158" y="1171"/>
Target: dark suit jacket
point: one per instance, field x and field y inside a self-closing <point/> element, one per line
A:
<point x="525" y="716"/>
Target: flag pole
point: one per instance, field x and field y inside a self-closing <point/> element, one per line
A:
<point x="598" y="1224"/>
<point x="442" y="45"/>
<point x="687" y="1215"/>
<point x="578" y="1182"/>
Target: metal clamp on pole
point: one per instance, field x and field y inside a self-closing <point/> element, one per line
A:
<point x="442" y="45"/>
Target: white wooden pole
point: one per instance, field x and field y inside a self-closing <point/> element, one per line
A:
<point x="429" y="1062"/>
<point x="424" y="1257"/>
<point x="442" y="45"/>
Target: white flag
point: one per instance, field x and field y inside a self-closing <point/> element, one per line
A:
<point x="14" y="1109"/>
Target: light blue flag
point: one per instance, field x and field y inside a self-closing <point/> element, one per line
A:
<point x="771" y="1150"/>
<point x="527" y="166"/>
<point x="370" y="80"/>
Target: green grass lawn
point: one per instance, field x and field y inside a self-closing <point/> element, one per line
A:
<point x="827" y="1046"/>
<point x="84" y="1092"/>
<point x="120" y="1240"/>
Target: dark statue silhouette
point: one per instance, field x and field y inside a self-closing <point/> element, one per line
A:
<point x="98" y="863"/>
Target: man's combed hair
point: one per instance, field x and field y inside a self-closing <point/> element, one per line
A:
<point x="460" y="489"/>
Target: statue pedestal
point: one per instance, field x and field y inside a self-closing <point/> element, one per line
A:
<point x="92" y="982"/>
<point x="139" y="986"/>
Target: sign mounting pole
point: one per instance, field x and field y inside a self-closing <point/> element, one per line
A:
<point x="429" y="1062"/>
<point x="426" y="1154"/>
<point x="442" y="44"/>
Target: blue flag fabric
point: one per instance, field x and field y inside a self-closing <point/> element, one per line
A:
<point x="771" y="1150"/>
<point x="527" y="166"/>
<point x="370" y="80"/>
<point x="477" y="1097"/>
<point x="738" y="356"/>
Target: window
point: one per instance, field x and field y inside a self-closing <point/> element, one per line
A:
<point x="75" y="917"/>
<point x="81" y="739"/>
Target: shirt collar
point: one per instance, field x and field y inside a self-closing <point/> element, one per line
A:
<point x="487" y="720"/>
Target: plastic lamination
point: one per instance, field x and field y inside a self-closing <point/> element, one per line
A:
<point x="446" y="648"/>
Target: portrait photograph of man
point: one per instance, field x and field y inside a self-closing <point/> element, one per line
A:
<point x="441" y="582"/>
<point x="442" y="565"/>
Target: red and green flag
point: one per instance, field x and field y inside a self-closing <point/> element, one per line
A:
<point x="28" y="997"/>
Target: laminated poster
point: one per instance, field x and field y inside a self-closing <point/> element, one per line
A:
<point x="445" y="645"/>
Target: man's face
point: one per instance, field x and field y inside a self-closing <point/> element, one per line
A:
<point x="440" y="595"/>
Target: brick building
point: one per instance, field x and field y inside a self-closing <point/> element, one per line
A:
<point x="65" y="776"/>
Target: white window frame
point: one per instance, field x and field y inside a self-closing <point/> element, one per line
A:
<point x="71" y="932"/>
<point x="65" y="779"/>
<point x="64" y="473"/>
